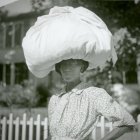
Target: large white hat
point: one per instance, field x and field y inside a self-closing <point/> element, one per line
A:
<point x="66" y="33"/>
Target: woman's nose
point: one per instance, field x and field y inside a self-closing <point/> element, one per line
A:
<point x="67" y="68"/>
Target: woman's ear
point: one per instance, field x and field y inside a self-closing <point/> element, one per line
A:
<point x="82" y="77"/>
<point x="82" y="69"/>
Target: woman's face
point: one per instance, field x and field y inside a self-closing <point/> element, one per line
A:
<point x="70" y="70"/>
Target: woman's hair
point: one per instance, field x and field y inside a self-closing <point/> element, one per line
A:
<point x="83" y="62"/>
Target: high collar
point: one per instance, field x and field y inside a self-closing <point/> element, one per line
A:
<point x="77" y="89"/>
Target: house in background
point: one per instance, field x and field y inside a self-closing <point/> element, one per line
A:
<point x="13" y="69"/>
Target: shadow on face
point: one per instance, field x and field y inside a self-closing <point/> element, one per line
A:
<point x="70" y="69"/>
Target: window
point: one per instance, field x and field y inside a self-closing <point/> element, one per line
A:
<point x="18" y="33"/>
<point x="21" y="72"/>
<point x="5" y="73"/>
<point x="12" y="34"/>
<point x="2" y="35"/>
<point x="9" y="35"/>
<point x="13" y="73"/>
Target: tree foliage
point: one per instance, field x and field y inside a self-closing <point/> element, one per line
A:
<point x="122" y="18"/>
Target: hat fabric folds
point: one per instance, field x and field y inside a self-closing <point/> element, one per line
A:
<point x="66" y="33"/>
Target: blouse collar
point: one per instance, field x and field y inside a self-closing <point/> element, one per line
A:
<point x="77" y="89"/>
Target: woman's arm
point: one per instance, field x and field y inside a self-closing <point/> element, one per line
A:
<point x="122" y="120"/>
<point x="117" y="132"/>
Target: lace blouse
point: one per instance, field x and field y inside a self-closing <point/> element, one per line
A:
<point x="73" y="115"/>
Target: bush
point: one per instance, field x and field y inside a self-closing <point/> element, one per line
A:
<point x="24" y="95"/>
<point x="128" y="97"/>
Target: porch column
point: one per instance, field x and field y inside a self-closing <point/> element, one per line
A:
<point x="12" y="77"/>
<point x="138" y="68"/>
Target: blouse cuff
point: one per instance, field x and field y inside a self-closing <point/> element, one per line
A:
<point x="123" y="123"/>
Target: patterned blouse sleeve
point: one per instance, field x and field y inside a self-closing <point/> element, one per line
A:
<point x="106" y="106"/>
<point x="51" y="106"/>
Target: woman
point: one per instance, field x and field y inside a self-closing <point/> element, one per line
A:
<point x="74" y="111"/>
<point x="72" y="40"/>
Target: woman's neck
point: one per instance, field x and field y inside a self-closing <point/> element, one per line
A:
<point x="71" y="85"/>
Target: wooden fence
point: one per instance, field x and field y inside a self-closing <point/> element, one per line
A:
<point x="17" y="129"/>
<point x="23" y="129"/>
<point x="103" y="127"/>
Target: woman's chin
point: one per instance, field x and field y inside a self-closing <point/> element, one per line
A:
<point x="68" y="79"/>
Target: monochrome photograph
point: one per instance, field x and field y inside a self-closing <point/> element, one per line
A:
<point x="69" y="69"/>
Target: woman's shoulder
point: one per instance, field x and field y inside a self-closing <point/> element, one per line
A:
<point x="89" y="87"/>
<point x="93" y="91"/>
<point x="53" y="99"/>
